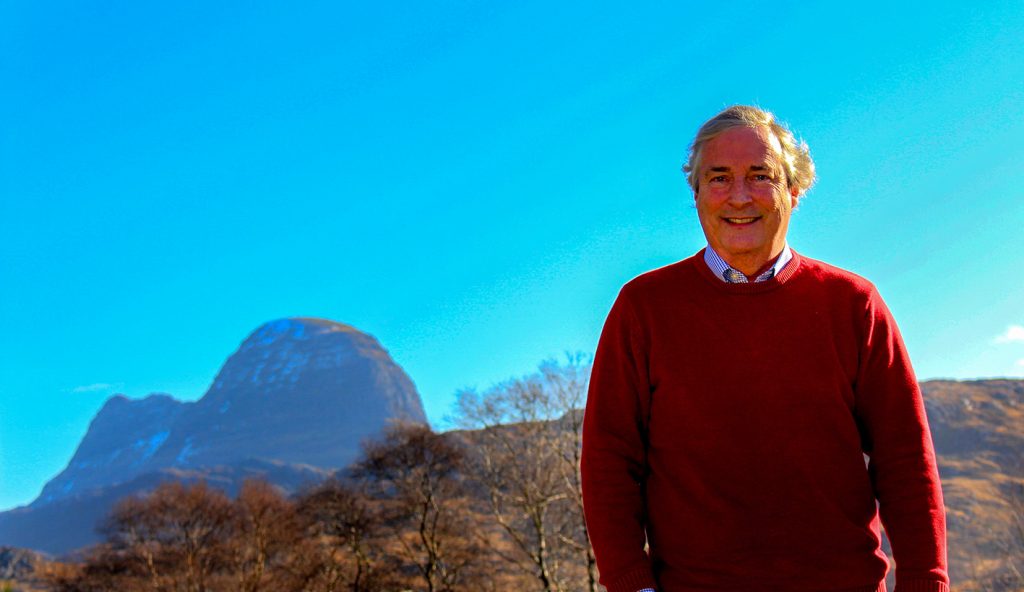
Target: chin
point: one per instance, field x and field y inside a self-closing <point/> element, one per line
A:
<point x="742" y="249"/>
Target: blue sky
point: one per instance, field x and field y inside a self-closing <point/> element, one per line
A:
<point x="469" y="182"/>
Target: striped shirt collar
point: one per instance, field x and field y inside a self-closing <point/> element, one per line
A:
<point x="727" y="274"/>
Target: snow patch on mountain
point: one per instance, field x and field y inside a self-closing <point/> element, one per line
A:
<point x="151" y="445"/>
<point x="275" y="330"/>
<point x="186" y="451"/>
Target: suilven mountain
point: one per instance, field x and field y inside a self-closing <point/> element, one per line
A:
<point x="292" y="404"/>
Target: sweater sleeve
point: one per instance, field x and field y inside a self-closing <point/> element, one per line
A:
<point x="613" y="462"/>
<point x="902" y="465"/>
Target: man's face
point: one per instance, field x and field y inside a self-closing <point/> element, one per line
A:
<point x="743" y="200"/>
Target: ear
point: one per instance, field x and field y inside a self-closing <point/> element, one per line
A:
<point x="794" y="194"/>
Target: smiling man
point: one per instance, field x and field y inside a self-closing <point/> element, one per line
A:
<point x="736" y="394"/>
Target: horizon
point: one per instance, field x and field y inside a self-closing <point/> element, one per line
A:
<point x="470" y="184"/>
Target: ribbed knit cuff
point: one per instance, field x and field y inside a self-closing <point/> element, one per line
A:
<point x="921" y="586"/>
<point x="906" y="586"/>
<point x="633" y="580"/>
<point x="880" y="587"/>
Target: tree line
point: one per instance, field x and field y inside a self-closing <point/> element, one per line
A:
<point x="493" y="505"/>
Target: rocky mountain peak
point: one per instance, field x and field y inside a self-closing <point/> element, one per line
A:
<point x="122" y="438"/>
<point x="280" y="354"/>
<point x="298" y="390"/>
<point x="328" y="381"/>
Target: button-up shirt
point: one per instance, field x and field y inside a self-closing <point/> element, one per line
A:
<point x="724" y="272"/>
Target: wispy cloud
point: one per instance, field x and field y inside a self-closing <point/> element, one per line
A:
<point x="1013" y="333"/>
<point x="92" y="388"/>
<point x="1020" y="362"/>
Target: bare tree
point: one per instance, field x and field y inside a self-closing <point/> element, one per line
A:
<point x="195" y="525"/>
<point x="567" y="384"/>
<point x="343" y="549"/>
<point x="415" y="472"/>
<point x="526" y="455"/>
<point x="177" y="533"/>
<point x="133" y="530"/>
<point x="265" y="529"/>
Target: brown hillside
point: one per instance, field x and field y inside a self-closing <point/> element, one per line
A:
<point x="978" y="429"/>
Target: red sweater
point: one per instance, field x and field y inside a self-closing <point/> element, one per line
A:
<point x="728" y="423"/>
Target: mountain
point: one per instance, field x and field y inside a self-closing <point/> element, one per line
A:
<point x="295" y="401"/>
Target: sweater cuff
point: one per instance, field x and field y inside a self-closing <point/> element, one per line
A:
<point x="633" y="580"/>
<point x="921" y="586"/>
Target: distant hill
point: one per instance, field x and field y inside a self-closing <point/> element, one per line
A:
<point x="978" y="430"/>
<point x="19" y="569"/>
<point x="294" y="402"/>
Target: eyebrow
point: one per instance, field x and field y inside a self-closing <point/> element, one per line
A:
<point x="725" y="169"/>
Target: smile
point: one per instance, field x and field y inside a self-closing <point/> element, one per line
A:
<point x="742" y="220"/>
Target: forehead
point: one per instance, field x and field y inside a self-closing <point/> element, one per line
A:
<point x="741" y="147"/>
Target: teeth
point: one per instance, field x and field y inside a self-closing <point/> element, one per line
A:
<point x="741" y="220"/>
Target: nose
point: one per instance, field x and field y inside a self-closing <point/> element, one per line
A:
<point x="739" y="192"/>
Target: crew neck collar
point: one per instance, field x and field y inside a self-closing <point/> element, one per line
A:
<point x="782" y="277"/>
<point x="719" y="266"/>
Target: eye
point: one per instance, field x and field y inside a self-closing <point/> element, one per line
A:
<point x="718" y="179"/>
<point x="762" y="178"/>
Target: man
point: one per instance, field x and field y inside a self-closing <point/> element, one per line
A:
<point x="734" y="397"/>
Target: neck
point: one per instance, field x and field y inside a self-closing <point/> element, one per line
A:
<point x="753" y="265"/>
